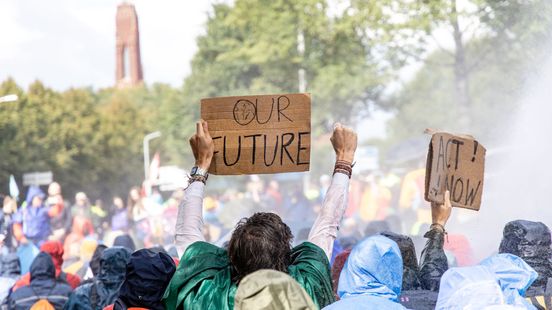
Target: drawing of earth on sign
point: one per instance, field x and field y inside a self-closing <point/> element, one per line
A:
<point x="244" y="112"/>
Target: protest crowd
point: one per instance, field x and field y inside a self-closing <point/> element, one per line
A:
<point x="341" y="242"/>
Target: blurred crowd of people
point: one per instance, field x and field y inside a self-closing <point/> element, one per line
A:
<point x="343" y="242"/>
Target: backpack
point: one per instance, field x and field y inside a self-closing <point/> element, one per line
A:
<point x="42" y="304"/>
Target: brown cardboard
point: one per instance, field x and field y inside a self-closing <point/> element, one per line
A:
<point x="248" y="132"/>
<point x="456" y="163"/>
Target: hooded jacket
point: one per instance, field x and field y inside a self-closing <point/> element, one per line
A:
<point x="32" y="222"/>
<point x="271" y="290"/>
<point x="530" y="241"/>
<point x="104" y="289"/>
<point x="411" y="271"/>
<point x="55" y="250"/>
<point x="11" y="270"/>
<point x="43" y="286"/>
<point x="203" y="279"/>
<point x="474" y="287"/>
<point x="147" y="275"/>
<point x="514" y="277"/>
<point x="371" y="277"/>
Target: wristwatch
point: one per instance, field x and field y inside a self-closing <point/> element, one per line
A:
<point x="198" y="174"/>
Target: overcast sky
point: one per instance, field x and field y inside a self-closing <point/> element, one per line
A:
<point x="68" y="43"/>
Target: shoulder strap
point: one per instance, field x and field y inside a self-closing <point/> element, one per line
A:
<point x="548" y="294"/>
<point x="94" y="296"/>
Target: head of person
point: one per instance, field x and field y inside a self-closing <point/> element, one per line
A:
<point x="376" y="227"/>
<point x="54" y="189"/>
<point x="134" y="195"/>
<point x="81" y="199"/>
<point x="147" y="275"/>
<point x="125" y="241"/>
<point x="55" y="250"/>
<point x="118" y="203"/>
<point x="262" y="241"/>
<point x="374" y="268"/>
<point x="9" y="205"/>
<point x="271" y="289"/>
<point x="514" y="277"/>
<point x="113" y="267"/>
<point x="35" y="196"/>
<point x="473" y="287"/>
<point x="42" y="268"/>
<point x="95" y="260"/>
<point x="531" y="242"/>
<point x="411" y="280"/>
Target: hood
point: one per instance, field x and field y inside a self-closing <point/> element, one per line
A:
<point x="55" y="249"/>
<point x="125" y="241"/>
<point x="472" y="287"/>
<point x="11" y="267"/>
<point x="271" y="289"/>
<point x="96" y="257"/>
<point x="513" y="274"/>
<point x="373" y="268"/>
<point x="113" y="266"/>
<point x="410" y="262"/>
<point x="531" y="242"/>
<point x="32" y="192"/>
<point x="42" y="267"/>
<point x="147" y="275"/>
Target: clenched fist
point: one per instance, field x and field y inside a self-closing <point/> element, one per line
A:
<point x="344" y="142"/>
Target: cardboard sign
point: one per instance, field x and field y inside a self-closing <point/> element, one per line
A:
<point x="259" y="134"/>
<point x="455" y="163"/>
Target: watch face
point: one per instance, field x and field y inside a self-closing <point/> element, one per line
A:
<point x="194" y="170"/>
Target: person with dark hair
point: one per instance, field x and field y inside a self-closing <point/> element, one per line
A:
<point x="207" y="276"/>
<point x="104" y="289"/>
<point x="126" y="242"/>
<point x="44" y="288"/>
<point x="147" y="275"/>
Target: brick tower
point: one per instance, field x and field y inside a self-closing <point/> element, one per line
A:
<point x="129" y="65"/>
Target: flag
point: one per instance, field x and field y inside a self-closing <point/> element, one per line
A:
<point x="14" y="190"/>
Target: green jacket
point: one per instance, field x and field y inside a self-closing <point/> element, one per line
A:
<point x="203" y="278"/>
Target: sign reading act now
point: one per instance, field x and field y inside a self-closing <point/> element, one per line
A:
<point x="259" y="134"/>
<point x="457" y="164"/>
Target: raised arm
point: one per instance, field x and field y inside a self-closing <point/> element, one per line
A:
<point x="189" y="222"/>
<point x="324" y="230"/>
<point x="433" y="262"/>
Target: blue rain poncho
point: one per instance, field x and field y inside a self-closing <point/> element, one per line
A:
<point x="514" y="277"/>
<point x="371" y="277"/>
<point x="472" y="287"/>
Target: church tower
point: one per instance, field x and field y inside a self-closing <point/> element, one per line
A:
<point x="129" y="66"/>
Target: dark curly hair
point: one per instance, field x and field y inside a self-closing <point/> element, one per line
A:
<point x="262" y="241"/>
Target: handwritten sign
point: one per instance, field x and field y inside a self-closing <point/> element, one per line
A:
<point x="455" y="163"/>
<point x="259" y="134"/>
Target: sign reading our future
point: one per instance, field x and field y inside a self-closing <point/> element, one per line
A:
<point x="259" y="134"/>
<point x="455" y="163"/>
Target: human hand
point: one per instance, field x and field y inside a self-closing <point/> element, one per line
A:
<point x="202" y="145"/>
<point x="440" y="212"/>
<point x="344" y="142"/>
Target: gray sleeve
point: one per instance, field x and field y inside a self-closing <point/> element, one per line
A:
<point x="325" y="228"/>
<point x="189" y="221"/>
